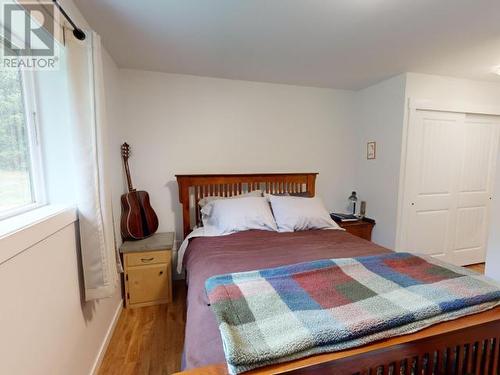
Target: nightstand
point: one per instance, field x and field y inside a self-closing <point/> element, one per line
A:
<point x="147" y="274"/>
<point x="361" y="228"/>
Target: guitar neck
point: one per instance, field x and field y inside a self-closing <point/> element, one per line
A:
<point x="127" y="172"/>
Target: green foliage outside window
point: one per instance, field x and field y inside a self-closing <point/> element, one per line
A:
<point x="14" y="152"/>
<point x="15" y="176"/>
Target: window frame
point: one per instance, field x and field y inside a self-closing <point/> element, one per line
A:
<point x="37" y="181"/>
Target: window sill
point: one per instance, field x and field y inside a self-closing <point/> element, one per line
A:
<point x="20" y="232"/>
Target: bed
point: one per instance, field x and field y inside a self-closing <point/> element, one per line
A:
<point x="465" y="345"/>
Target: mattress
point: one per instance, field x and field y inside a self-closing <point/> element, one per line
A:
<point x="247" y="251"/>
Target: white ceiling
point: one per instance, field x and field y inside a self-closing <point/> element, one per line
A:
<point x="346" y="44"/>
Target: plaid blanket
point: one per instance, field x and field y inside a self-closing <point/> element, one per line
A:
<point x="280" y="314"/>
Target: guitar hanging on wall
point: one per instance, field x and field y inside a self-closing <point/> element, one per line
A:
<point x="138" y="219"/>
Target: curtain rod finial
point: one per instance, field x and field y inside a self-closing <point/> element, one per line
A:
<point x="79" y="34"/>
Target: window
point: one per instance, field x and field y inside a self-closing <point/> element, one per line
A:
<point x="21" y="187"/>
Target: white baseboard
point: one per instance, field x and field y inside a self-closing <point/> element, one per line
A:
<point x="107" y="339"/>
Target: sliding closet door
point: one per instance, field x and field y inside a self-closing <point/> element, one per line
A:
<point x="431" y="171"/>
<point x="475" y="188"/>
<point x="449" y="173"/>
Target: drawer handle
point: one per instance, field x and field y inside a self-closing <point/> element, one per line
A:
<point x="161" y="273"/>
<point x="146" y="260"/>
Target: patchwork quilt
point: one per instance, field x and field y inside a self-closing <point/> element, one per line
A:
<point x="280" y="314"/>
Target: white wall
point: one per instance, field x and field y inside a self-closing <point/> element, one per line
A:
<point x="493" y="251"/>
<point x="47" y="328"/>
<point x="452" y="90"/>
<point x="186" y="124"/>
<point x="381" y="113"/>
<point x="45" y="324"/>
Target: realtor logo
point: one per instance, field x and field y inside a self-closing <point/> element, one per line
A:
<point x="28" y="35"/>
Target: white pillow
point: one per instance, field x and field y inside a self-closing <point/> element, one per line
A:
<point x="204" y="201"/>
<point x="225" y="216"/>
<point x="297" y="213"/>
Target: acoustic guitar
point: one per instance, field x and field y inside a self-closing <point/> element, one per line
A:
<point x="138" y="219"/>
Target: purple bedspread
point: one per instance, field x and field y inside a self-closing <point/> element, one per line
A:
<point x="247" y="251"/>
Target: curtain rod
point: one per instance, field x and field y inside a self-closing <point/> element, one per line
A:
<point x="77" y="32"/>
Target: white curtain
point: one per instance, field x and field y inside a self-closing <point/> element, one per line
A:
<point x="88" y="122"/>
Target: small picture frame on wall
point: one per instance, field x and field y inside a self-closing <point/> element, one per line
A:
<point x="371" y="150"/>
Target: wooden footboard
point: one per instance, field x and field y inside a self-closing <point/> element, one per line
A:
<point x="469" y="345"/>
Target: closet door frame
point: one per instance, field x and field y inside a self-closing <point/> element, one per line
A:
<point x="414" y="105"/>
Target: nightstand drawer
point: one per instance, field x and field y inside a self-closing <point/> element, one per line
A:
<point x="147" y="257"/>
<point x="149" y="283"/>
<point x="363" y="231"/>
<point x="361" y="228"/>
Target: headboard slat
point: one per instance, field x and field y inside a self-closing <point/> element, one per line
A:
<point x="199" y="186"/>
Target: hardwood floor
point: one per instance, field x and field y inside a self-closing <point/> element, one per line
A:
<point x="477" y="267"/>
<point x="149" y="340"/>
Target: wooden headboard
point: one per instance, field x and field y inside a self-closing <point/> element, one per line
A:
<point x="193" y="187"/>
